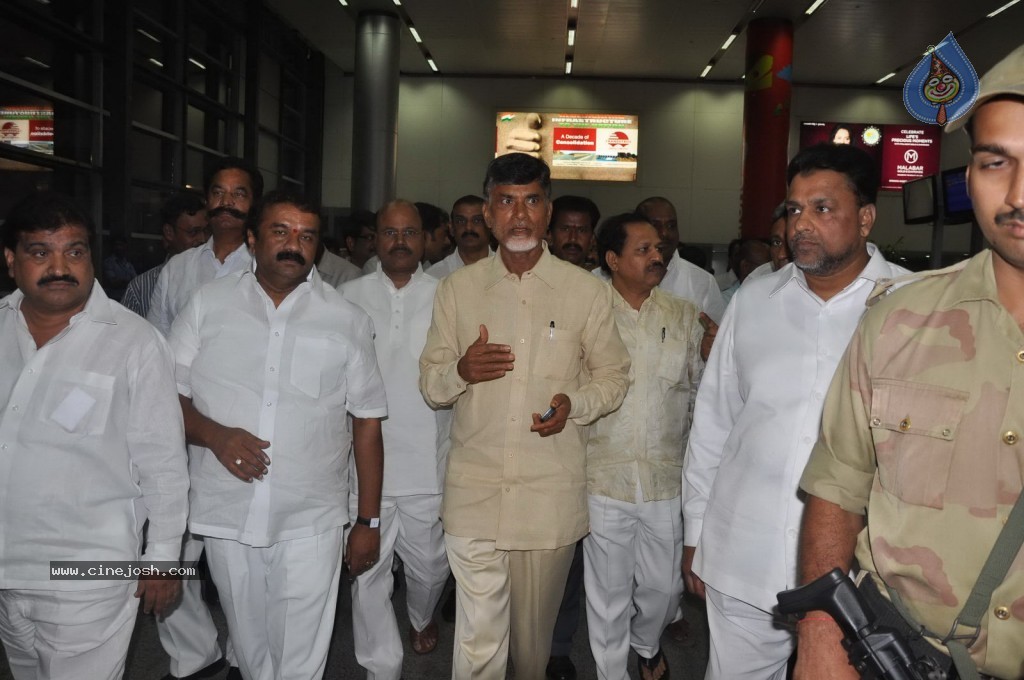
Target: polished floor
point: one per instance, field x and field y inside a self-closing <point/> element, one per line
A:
<point x="687" y="660"/>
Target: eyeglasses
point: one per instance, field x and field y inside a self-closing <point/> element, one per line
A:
<point x="237" y="194"/>
<point x="409" y="233"/>
<point x="462" y="221"/>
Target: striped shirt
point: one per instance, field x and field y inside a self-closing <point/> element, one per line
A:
<point x="140" y="290"/>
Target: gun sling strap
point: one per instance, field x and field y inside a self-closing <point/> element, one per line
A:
<point x="1006" y="547"/>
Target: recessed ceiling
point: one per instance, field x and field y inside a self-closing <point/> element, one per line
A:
<point x="845" y="42"/>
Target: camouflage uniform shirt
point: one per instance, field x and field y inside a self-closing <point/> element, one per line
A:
<point x="922" y="432"/>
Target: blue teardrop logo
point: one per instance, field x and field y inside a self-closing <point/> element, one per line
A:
<point x="943" y="86"/>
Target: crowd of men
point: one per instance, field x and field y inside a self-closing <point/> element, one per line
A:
<point x="529" y="399"/>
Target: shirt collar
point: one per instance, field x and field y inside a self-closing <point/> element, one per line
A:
<point x="386" y="281"/>
<point x="546" y="268"/>
<point x="876" y="268"/>
<point x="98" y="308"/>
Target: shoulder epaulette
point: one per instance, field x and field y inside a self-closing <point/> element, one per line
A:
<point x="885" y="286"/>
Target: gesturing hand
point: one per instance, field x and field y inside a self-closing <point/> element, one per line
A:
<point x="484" y="361"/>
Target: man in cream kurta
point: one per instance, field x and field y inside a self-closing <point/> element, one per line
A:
<point x="399" y="297"/>
<point x="515" y="493"/>
<point x="635" y="459"/>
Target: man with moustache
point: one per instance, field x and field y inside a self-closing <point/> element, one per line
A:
<point x="188" y="633"/>
<point x="92" y="446"/>
<point x="232" y="185"/>
<point x="570" y="238"/>
<point x="183" y="217"/>
<point x="682" y="278"/>
<point x="398" y="298"/>
<point x="471" y="236"/>
<point x="635" y="459"/>
<point x="921" y="432"/>
<point x="571" y="232"/>
<point x="515" y="491"/>
<point x="759" y="407"/>
<point x="268" y="362"/>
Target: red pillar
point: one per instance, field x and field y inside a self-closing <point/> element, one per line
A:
<point x="766" y="109"/>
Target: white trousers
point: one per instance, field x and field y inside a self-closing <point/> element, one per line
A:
<point x="68" y="635"/>
<point x="411" y="527"/>
<point x="188" y="633"/>
<point x="631" y="577"/>
<point x="279" y="602"/>
<point x="746" y="643"/>
<point x="506" y="605"/>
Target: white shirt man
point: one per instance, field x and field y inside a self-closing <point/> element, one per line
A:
<point x="635" y="459"/>
<point x="759" y="409"/>
<point x="268" y="361"/>
<point x="470" y="234"/>
<point x="188" y="634"/>
<point x="91" y="446"/>
<point x="399" y="299"/>
<point x="336" y="270"/>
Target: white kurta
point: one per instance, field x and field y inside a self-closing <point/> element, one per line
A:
<point x="286" y="375"/>
<point x="416" y="443"/>
<point x="756" y="419"/>
<point x="91" y="445"/>
<point x="184" y="274"/>
<point x="449" y="264"/>
<point x="416" y="438"/>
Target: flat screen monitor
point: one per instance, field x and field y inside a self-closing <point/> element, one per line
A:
<point x="956" y="201"/>
<point x="919" y="201"/>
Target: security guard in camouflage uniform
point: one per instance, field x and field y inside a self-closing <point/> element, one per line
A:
<point x="921" y="455"/>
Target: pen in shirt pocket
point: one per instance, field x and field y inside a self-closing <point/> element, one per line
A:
<point x="551" y="331"/>
<point x="663" y="334"/>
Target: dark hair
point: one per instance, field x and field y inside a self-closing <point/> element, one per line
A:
<point x="611" y="236"/>
<point x="279" y="197"/>
<point x="641" y="207"/>
<point x="470" y="199"/>
<point x="519" y="169"/>
<point x="234" y="163"/>
<point x="837" y="128"/>
<point x="354" y="224"/>
<point x="181" y="203"/>
<point x="432" y="217"/>
<point x="846" y="159"/>
<point x="44" y="211"/>
<point x="580" y="204"/>
<point x="779" y="212"/>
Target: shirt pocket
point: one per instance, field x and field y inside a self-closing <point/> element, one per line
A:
<point x="557" y="355"/>
<point x="914" y="427"/>
<point x="316" y="365"/>
<point x="672" y="361"/>
<point x="79" y="402"/>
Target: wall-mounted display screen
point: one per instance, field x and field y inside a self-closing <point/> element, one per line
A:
<point x="578" y="146"/>
<point x="919" y="201"/>
<point x="27" y="127"/>
<point x="955" y="199"/>
<point x="903" y="152"/>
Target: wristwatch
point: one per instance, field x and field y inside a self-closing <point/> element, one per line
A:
<point x="372" y="522"/>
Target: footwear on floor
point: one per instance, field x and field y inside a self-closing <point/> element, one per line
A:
<point x="424" y="641"/>
<point x="653" y="669"/>
<point x="560" y="668"/>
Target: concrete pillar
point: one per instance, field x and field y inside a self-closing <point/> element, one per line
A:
<point x="375" y="110"/>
